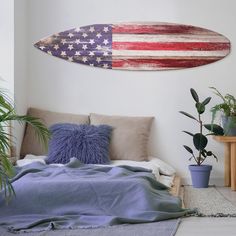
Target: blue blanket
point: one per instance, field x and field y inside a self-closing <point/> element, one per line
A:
<point x="86" y="196"/>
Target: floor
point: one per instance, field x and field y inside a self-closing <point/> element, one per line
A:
<point x="228" y="193"/>
<point x="195" y="226"/>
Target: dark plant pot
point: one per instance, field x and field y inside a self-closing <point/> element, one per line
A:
<point x="229" y="125"/>
<point x="200" y="175"/>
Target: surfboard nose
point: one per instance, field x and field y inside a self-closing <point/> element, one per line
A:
<point x="89" y="45"/>
<point x="46" y="43"/>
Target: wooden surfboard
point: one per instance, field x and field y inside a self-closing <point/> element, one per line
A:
<point x="137" y="46"/>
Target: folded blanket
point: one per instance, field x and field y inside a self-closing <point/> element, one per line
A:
<point x="78" y="195"/>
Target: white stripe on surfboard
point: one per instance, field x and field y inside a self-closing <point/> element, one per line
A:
<point x="140" y="23"/>
<point x="146" y="67"/>
<point x="165" y="53"/>
<point x="167" y="38"/>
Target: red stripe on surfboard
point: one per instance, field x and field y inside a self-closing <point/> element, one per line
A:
<point x="189" y="46"/>
<point x="161" y="63"/>
<point x="159" y="29"/>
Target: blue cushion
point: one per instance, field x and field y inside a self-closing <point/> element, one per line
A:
<point x="87" y="143"/>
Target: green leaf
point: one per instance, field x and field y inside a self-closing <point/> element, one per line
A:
<point x="216" y="129"/>
<point x="200" y="141"/>
<point x="209" y="153"/>
<point x="7" y="166"/>
<point x="216" y="92"/>
<point x="200" y="107"/>
<point x="6" y="171"/>
<point x="204" y="152"/>
<point x="188" y="149"/>
<point x="188" y="115"/>
<point x="225" y="108"/>
<point x="206" y="101"/>
<point x="40" y="129"/>
<point x="215" y="157"/>
<point x="187" y="133"/>
<point x="194" y="95"/>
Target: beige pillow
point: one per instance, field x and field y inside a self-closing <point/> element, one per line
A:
<point x="30" y="144"/>
<point x="129" y="138"/>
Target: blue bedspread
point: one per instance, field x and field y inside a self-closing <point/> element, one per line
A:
<point x="78" y="195"/>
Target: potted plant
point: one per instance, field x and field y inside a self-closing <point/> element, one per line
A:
<point x="228" y="109"/>
<point x="200" y="173"/>
<point x="8" y="114"/>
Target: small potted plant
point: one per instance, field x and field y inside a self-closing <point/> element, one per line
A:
<point x="228" y="110"/>
<point x="200" y="173"/>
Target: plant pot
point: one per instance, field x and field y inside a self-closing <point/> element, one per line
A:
<point x="229" y="125"/>
<point x="200" y="175"/>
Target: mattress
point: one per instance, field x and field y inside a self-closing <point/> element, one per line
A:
<point x="162" y="171"/>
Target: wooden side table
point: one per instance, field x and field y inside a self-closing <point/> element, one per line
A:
<point x="229" y="160"/>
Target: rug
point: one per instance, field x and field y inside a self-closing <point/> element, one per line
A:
<point x="208" y="201"/>
<point x="163" y="228"/>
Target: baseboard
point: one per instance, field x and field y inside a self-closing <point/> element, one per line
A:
<point x="213" y="181"/>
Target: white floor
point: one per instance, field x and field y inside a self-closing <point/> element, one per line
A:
<point x="202" y="226"/>
<point x="195" y="226"/>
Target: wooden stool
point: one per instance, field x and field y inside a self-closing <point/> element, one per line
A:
<point x="229" y="160"/>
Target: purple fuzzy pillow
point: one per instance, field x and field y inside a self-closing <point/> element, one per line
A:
<point x="87" y="143"/>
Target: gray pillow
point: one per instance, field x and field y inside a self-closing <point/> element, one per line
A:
<point x="129" y="140"/>
<point x="30" y="144"/>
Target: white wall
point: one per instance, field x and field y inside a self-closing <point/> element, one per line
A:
<point x="7" y="45"/>
<point x="13" y="56"/>
<point x="67" y="87"/>
<point x="21" y="65"/>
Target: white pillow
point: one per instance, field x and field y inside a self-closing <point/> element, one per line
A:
<point x="144" y="164"/>
<point x="163" y="172"/>
<point x="32" y="158"/>
<point x="23" y="162"/>
<point x="164" y="168"/>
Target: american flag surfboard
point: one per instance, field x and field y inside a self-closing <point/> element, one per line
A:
<point x="138" y="46"/>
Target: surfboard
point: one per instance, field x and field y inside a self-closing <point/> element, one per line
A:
<point x="137" y="46"/>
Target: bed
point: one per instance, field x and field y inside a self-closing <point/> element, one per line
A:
<point x="132" y="188"/>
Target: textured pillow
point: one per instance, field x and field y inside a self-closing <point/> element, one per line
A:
<point x="129" y="140"/>
<point x="30" y="144"/>
<point x="87" y="143"/>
